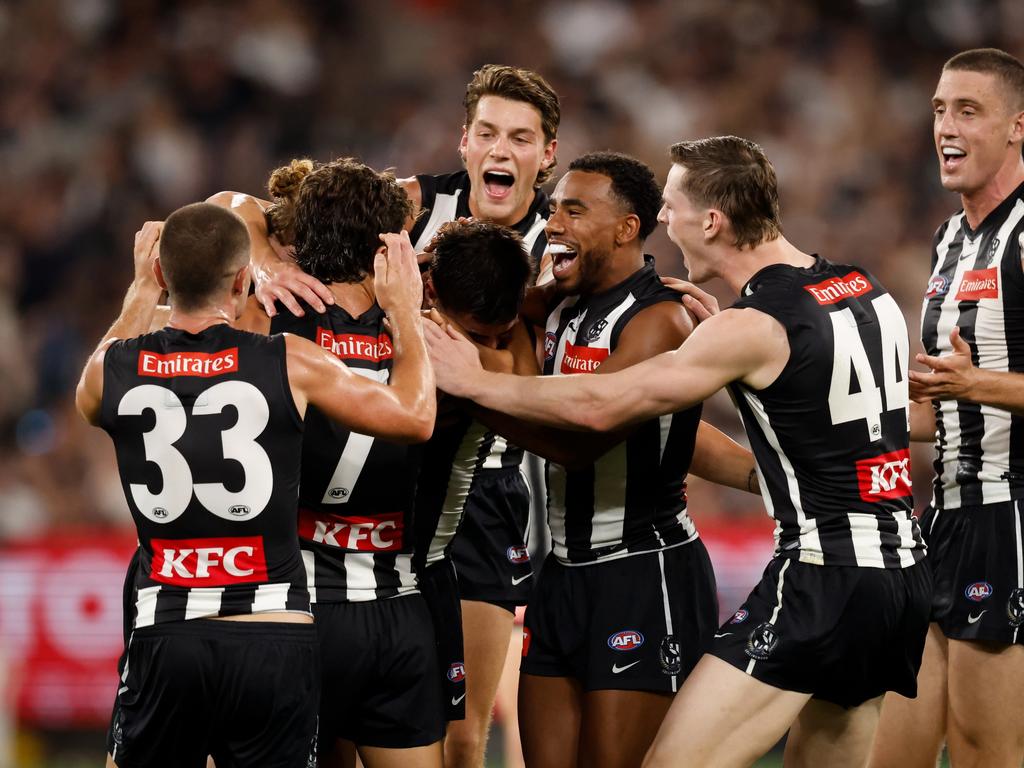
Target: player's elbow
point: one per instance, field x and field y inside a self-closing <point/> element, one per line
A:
<point x="86" y="405"/>
<point x="417" y="424"/>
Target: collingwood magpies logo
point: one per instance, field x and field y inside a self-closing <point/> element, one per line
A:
<point x="595" y="331"/>
<point x="1015" y="607"/>
<point x="762" y="641"/>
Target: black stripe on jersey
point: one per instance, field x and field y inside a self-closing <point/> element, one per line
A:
<point x="930" y="337"/>
<point x="1013" y="275"/>
<point x="972" y="423"/>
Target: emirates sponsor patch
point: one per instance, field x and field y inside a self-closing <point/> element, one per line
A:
<point x="979" y="284"/>
<point x="838" y="288"/>
<point x="204" y="364"/>
<point x="582" y="359"/>
<point x="350" y="346"/>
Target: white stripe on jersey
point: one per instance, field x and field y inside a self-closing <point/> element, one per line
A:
<point x="498" y="448"/>
<point x="536" y="230"/>
<point x="809" y="542"/>
<point x="444" y="210"/>
<point x="271" y="598"/>
<point x="203" y="601"/>
<point x="459" y="483"/>
<point x="360" y="582"/>
<point x="145" y="606"/>
<point x="309" y="563"/>
<point x="1020" y="556"/>
<point x="990" y="345"/>
<point x="668" y="612"/>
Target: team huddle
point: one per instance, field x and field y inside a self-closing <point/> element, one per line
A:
<point x="321" y="402"/>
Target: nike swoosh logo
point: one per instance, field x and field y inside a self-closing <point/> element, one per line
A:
<point x="723" y="634"/>
<point x="971" y="619"/>
<point x="455" y="701"/>
<point x="616" y="668"/>
<point x="521" y="579"/>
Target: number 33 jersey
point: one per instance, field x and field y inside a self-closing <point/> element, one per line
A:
<point x="208" y="441"/>
<point x="830" y="434"/>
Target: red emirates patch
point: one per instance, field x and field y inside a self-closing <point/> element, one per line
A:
<point x="349" y="346"/>
<point x="204" y="364"/>
<point x="582" y="359"/>
<point x="838" y="288"/>
<point x="979" y="284"/>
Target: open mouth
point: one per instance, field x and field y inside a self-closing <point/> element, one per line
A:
<point x="952" y="157"/>
<point x="562" y="258"/>
<point x="498" y="184"/>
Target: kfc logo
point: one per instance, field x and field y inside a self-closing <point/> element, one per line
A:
<point x="979" y="284"/>
<point x="382" y="533"/>
<point x="348" y="346"/>
<point x="582" y="359"/>
<point x="838" y="288"/>
<point x="885" y="477"/>
<point x="203" y="364"/>
<point x="208" y="562"/>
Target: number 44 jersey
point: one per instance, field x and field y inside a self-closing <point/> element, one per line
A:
<point x="208" y="442"/>
<point x="830" y="435"/>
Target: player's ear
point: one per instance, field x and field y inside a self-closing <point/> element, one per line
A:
<point x="240" y="284"/>
<point x="429" y="293"/>
<point x="628" y="229"/>
<point x="158" y="272"/>
<point x="464" y="143"/>
<point x="1017" y="129"/>
<point x="714" y="222"/>
<point x="549" y="154"/>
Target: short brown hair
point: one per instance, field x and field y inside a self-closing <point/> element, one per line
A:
<point x="733" y="175"/>
<point x="517" y="84"/>
<point x="341" y="209"/>
<point x="993" y="61"/>
<point x="202" y="246"/>
<point x="283" y="187"/>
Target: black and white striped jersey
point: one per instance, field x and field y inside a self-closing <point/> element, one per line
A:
<point x="445" y="198"/>
<point x="207" y="438"/>
<point x="977" y="284"/>
<point x="633" y="498"/>
<point x="830" y="434"/>
<point x="356" y="493"/>
<point x="452" y="461"/>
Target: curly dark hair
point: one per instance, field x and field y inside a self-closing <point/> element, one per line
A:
<point x="283" y="186"/>
<point x="633" y="183"/>
<point x="341" y="208"/>
<point x="482" y="269"/>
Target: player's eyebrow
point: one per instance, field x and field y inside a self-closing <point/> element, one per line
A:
<point x="514" y="131"/>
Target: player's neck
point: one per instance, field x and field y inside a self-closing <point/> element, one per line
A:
<point x="744" y="264"/>
<point x="355" y="298"/>
<point x="980" y="203"/>
<point x="199" y="320"/>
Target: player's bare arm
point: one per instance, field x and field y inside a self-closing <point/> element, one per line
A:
<point x="955" y="377"/>
<point x="719" y="459"/>
<point x="737" y="345"/>
<point x="403" y="410"/>
<point x="276" y="277"/>
<point x="136" y="317"/>
<point x="922" y="421"/>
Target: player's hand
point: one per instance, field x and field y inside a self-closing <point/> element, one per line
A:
<point x="699" y="303"/>
<point x="454" y="357"/>
<point x="396" y="276"/>
<point x="952" y="376"/>
<point x="280" y="279"/>
<point x="147" y="248"/>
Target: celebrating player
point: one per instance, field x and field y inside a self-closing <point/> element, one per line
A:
<point x="815" y="356"/>
<point x="207" y="426"/>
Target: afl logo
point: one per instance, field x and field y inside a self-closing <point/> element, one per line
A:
<point x="739" y="617"/>
<point x="338" y="493"/>
<point x="239" y="510"/>
<point x="517" y="555"/>
<point x="978" y="591"/>
<point x="457" y="672"/>
<point x="550" y="342"/>
<point x="937" y="286"/>
<point x="159" y="512"/>
<point x="626" y="640"/>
